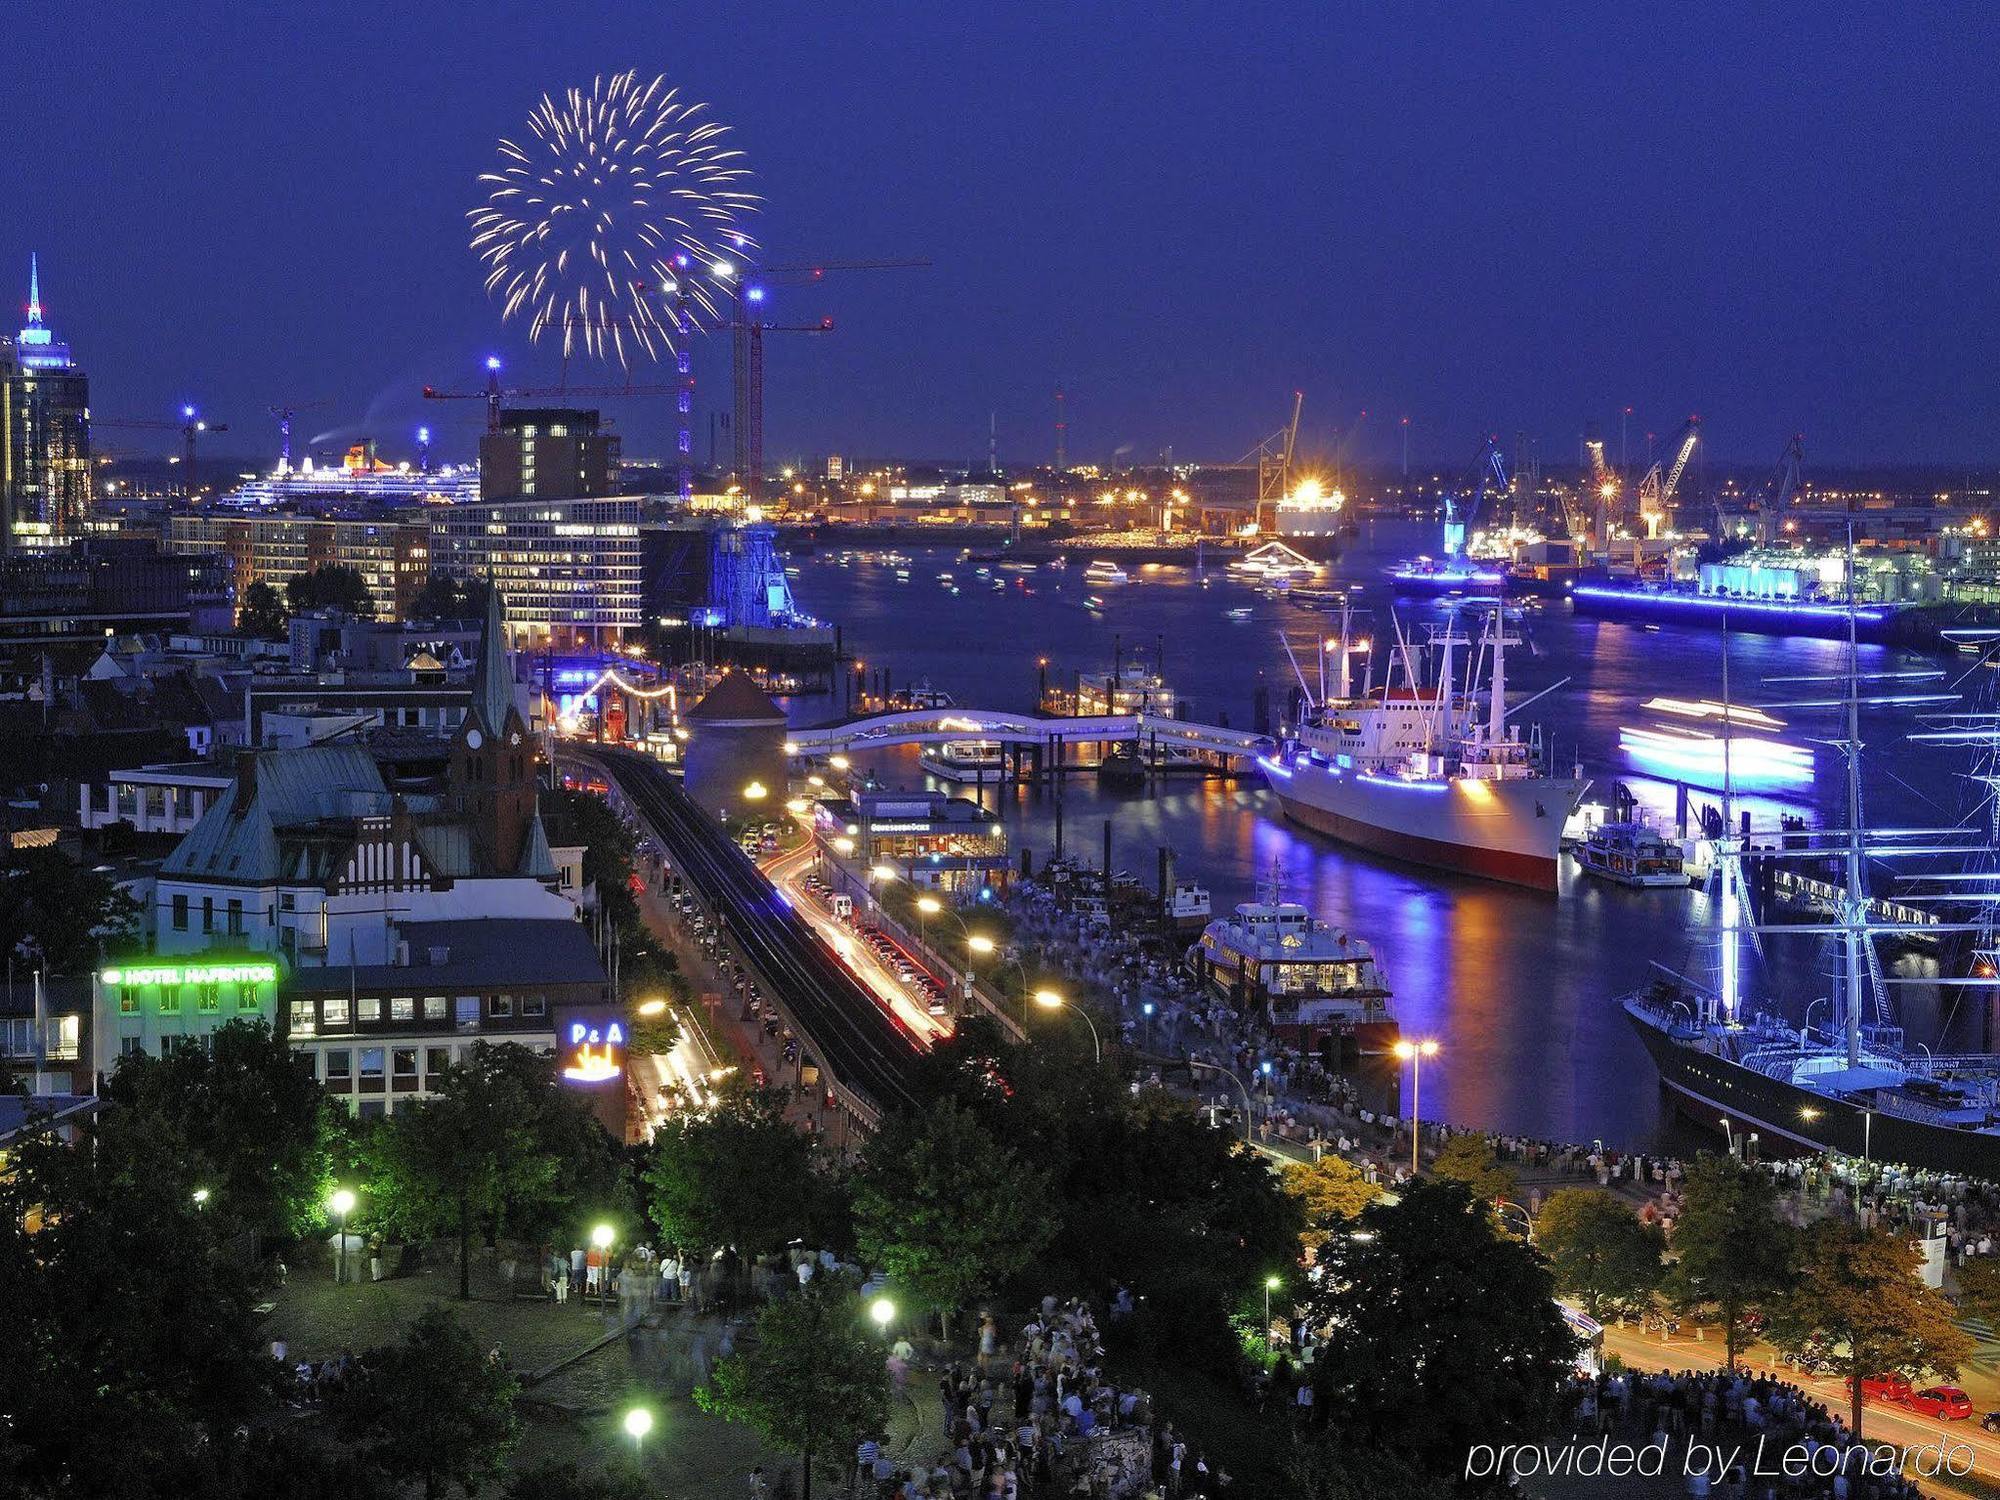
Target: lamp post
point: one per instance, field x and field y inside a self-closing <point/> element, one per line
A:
<point x="1271" y="1284"/>
<point x="201" y="1197"/>
<point x="1728" y="1137"/>
<point x="882" y="1312"/>
<point x="975" y="943"/>
<point x="1414" y="1054"/>
<point x="602" y="1237"/>
<point x="1195" y="1062"/>
<point x="1050" y="1000"/>
<point x="638" y="1422"/>
<point x="342" y="1204"/>
<point x="927" y="907"/>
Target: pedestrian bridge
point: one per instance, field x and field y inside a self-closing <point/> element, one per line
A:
<point x="937" y="726"/>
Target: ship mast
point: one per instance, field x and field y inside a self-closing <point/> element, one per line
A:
<point x="1729" y="856"/>
<point x="1854" y="900"/>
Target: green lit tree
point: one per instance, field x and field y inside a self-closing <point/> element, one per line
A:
<point x="1732" y="1253"/>
<point x="813" y="1381"/>
<point x="738" y="1177"/>
<point x="1600" y="1251"/>
<point x="947" y="1209"/>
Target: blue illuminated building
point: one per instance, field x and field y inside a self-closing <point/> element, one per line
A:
<point x="44" y="432"/>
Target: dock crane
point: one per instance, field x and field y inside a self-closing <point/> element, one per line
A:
<point x="1489" y="477"/>
<point x="1783" y="487"/>
<point x="190" y="426"/>
<point x="747" y="332"/>
<point x="1656" y="492"/>
<point x="1273" y="458"/>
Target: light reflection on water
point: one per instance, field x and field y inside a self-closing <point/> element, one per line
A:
<point x="1517" y="985"/>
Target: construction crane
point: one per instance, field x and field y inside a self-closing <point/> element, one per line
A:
<point x="190" y="426"/>
<point x="1605" y="487"/>
<point x="747" y="352"/>
<point x="494" y="393"/>
<point x="1273" y="458"/>
<point x="1656" y="492"/>
<point x="284" y="414"/>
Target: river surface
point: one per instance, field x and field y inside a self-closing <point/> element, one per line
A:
<point x="1518" y="986"/>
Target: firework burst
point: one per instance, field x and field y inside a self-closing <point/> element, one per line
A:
<point x="616" y="220"/>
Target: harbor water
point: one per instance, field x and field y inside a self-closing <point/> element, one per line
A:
<point x="1518" y="986"/>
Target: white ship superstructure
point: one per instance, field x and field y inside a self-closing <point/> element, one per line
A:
<point x="1422" y="769"/>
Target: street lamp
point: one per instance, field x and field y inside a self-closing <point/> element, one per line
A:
<point x="1248" y="1110"/>
<point x="927" y="907"/>
<point x="342" y="1204"/>
<point x="601" y="1237"/>
<point x="201" y="1197"/>
<point x="1050" y="1000"/>
<point x="1728" y="1139"/>
<point x="1414" y="1054"/>
<point x="883" y="1312"/>
<point x="638" y="1422"/>
<point x="755" y="791"/>
<point x="1271" y="1284"/>
<point x="653" y="1007"/>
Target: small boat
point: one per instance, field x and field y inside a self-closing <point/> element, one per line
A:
<point x="1631" y="854"/>
<point x="1102" y="571"/>
<point x="1122" y="767"/>
<point x="1189" y="907"/>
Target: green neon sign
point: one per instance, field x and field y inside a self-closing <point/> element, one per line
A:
<point x="239" y="973"/>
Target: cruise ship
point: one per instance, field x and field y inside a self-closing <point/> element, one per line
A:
<point x="359" y="477"/>
<point x="1416" y="772"/>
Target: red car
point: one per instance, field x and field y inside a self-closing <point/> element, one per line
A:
<point x="1945" y="1402"/>
<point x="1895" y="1388"/>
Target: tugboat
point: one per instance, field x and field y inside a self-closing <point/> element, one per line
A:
<point x="1122" y="768"/>
<point x="1312" y="981"/>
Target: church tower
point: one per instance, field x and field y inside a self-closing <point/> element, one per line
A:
<point x="491" y="776"/>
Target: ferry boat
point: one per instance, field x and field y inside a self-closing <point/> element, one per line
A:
<point x="1456" y="571"/>
<point x="1853" y="1086"/>
<point x="1631" y="854"/>
<point x="1416" y="773"/>
<point x="973" y="761"/>
<point x="1102" y="571"/>
<point x="1312" y="981"/>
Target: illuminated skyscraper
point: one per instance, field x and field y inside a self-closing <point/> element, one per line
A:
<point x="44" y="432"/>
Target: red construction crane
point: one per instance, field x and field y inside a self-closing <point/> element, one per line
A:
<point x="189" y="426"/>
<point x="747" y="352"/>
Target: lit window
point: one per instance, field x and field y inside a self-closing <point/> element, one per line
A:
<point x="333" y="1010"/>
<point x="371" y="1011"/>
<point x="403" y="1008"/>
<point x="302" y="1018"/>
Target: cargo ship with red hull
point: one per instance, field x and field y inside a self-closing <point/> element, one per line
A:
<point x="1428" y="771"/>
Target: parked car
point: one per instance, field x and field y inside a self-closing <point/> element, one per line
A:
<point x="1895" y="1388"/>
<point x="1945" y="1402"/>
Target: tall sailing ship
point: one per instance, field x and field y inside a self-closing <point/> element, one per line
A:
<point x="1425" y="769"/>
<point x="1856" y="1085"/>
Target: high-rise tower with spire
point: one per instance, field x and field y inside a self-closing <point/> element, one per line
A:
<point x="45" y="481"/>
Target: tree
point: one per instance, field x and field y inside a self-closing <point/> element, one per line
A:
<point x="459" y="1158"/>
<point x="58" y="915"/>
<point x="1468" y="1159"/>
<point x="333" y="586"/>
<point x="129" y="1349"/>
<point x="1329" y="1192"/>
<point x="1599" y="1250"/>
<point x="263" y="613"/>
<point x="433" y="1408"/>
<point x="738" y="1177"/>
<point x="946" y="1209"/>
<point x="450" y="596"/>
<point x="1856" y="1304"/>
<point x="814" y="1382"/>
<point x="555" y="1481"/>
<point x="1444" y="1333"/>
<point x="1731" y="1251"/>
<point x="254" y="1124"/>
<point x="1979" y="1289"/>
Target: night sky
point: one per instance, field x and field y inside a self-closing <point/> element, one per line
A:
<point x="1486" y="217"/>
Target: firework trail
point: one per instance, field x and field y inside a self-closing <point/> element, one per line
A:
<point x="616" y="220"/>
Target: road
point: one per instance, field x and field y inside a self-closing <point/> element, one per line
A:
<point x="865" y="1048"/>
<point x="784" y="872"/>
<point x="1880" y="1423"/>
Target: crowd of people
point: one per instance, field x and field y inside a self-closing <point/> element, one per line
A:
<point x="1734" y="1415"/>
<point x="1035" y="1415"/>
